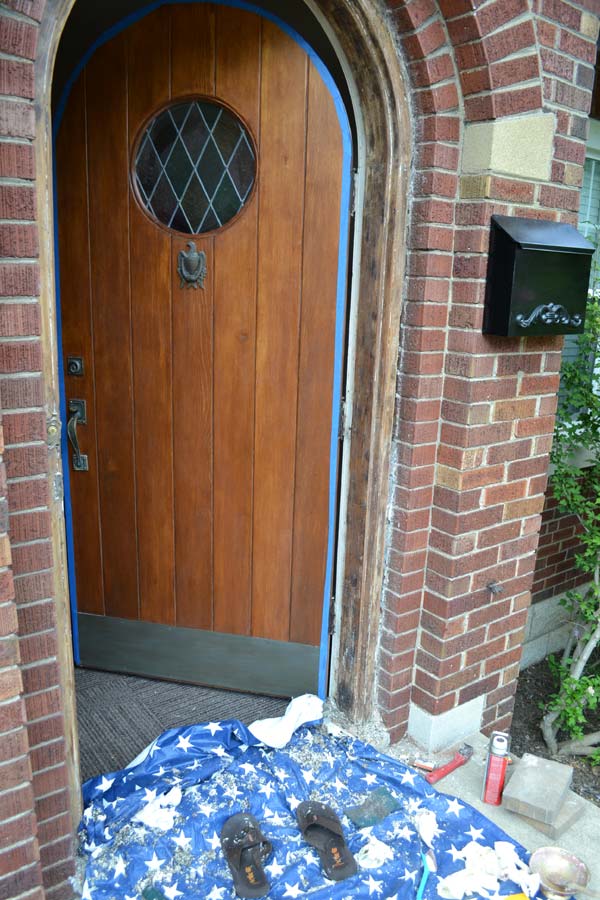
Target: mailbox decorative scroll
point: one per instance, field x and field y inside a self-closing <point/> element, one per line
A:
<point x="550" y="314"/>
<point x="531" y="262"/>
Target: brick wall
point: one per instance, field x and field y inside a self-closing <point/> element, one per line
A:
<point x="475" y="414"/>
<point x="555" y="570"/>
<point x="41" y="862"/>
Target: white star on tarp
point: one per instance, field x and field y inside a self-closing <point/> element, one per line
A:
<point x="267" y="790"/>
<point x="150" y="795"/>
<point x="405" y="832"/>
<point x="155" y="863"/>
<point x="293" y="890"/>
<point x="274" y="869"/>
<point x="183" y="743"/>
<point x="248" y="767"/>
<point x="120" y="868"/>
<point x="454" y="806"/>
<point x="408" y="777"/>
<point x="338" y="785"/>
<point x="214" y="841"/>
<point x="308" y="775"/>
<point x="455" y="854"/>
<point x="171" y="892"/>
<point x="216" y="893"/>
<point x="213" y="727"/>
<point x="475" y="833"/>
<point x="370" y="779"/>
<point x="410" y="876"/>
<point x="182" y="841"/>
<point x="207" y="809"/>
<point x="85" y="893"/>
<point x="374" y="886"/>
<point x="106" y="783"/>
<point x="293" y="802"/>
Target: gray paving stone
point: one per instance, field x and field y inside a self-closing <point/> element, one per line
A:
<point x="571" y="811"/>
<point x="538" y="788"/>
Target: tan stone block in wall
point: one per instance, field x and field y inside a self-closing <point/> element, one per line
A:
<point x="5" y="555"/>
<point x="573" y="175"/>
<point x="473" y="187"/>
<point x="589" y="25"/>
<point x="520" y="146"/>
<point x="447" y="477"/>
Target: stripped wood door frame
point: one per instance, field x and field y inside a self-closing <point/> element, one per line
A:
<point x="341" y="318"/>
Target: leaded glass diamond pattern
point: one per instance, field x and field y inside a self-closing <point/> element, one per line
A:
<point x="195" y="166"/>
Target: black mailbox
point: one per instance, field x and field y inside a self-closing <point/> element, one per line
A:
<point x="538" y="277"/>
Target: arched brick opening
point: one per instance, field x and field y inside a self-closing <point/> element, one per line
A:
<point x="450" y="444"/>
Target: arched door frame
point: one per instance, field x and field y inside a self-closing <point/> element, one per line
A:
<point x="367" y="52"/>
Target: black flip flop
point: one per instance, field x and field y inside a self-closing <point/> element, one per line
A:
<point x="245" y="848"/>
<point x="322" y="829"/>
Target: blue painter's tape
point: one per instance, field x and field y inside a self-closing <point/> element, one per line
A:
<point x="340" y="319"/>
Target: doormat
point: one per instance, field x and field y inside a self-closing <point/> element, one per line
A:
<point x="152" y="831"/>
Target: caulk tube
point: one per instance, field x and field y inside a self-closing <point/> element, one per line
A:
<point x="495" y="770"/>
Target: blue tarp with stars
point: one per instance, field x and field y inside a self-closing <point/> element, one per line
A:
<point x="194" y="778"/>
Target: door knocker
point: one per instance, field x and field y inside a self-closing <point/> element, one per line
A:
<point x="191" y="266"/>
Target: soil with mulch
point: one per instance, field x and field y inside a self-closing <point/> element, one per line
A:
<point x="535" y="687"/>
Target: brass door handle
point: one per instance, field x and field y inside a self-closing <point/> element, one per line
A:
<point x="78" y="415"/>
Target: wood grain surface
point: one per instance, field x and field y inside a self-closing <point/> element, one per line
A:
<point x="209" y="411"/>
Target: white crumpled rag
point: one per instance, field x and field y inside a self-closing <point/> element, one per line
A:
<point x="277" y="732"/>
<point x="374" y="854"/>
<point x="483" y="870"/>
<point x="160" y="813"/>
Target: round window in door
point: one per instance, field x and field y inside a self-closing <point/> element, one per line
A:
<point x="194" y="166"/>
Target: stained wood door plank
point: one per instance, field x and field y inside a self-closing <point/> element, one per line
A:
<point x="238" y="51"/>
<point x="109" y="200"/>
<point x="77" y="341"/>
<point x="193" y="49"/>
<point x="283" y="108"/>
<point x="193" y="454"/>
<point x="148" y="88"/>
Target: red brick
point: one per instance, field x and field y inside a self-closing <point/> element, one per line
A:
<point x="18" y="38"/>
<point x="15" y="773"/>
<point x="21" y="356"/>
<point x="561" y="12"/>
<point x="30" y="526"/>
<point x="537" y="425"/>
<point x="573" y="98"/>
<point x="475" y="81"/>
<point x="17" y="830"/>
<point x="494" y="15"/>
<point x="9" y="651"/>
<point x="53" y="829"/>
<point x="557" y="64"/>
<point x="477" y="688"/>
<point x="441" y="156"/>
<point x="429" y="71"/>
<point x="580" y="47"/>
<point x="52" y="805"/>
<point x="10" y="685"/>
<point x="16" y="78"/>
<point x="514" y="71"/>
<point x="440" y="128"/>
<point x="38" y="647"/>
<point x="16" y="161"/>
<point x="28" y="494"/>
<point x="32" y="557"/>
<point x="23" y="428"/>
<point x="509" y="40"/>
<point x="22" y="461"/>
<point x="421" y="45"/>
<point x="410" y="16"/>
<point x="16" y="119"/>
<point x="547" y="33"/>
<point x="19" y="319"/>
<point x="443" y="184"/>
<point x="11" y="715"/>
<point x="39" y="678"/>
<point x="31" y="8"/>
<point x="17" y="202"/>
<point x="21" y="393"/>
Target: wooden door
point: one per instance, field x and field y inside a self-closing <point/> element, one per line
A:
<point x="200" y="526"/>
